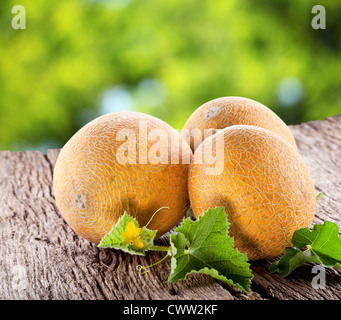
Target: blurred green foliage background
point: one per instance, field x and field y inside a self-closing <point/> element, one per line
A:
<point x="78" y="59"/>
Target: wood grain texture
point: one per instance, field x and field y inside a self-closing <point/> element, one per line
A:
<point x="42" y="258"/>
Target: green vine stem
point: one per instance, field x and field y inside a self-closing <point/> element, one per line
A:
<point x="140" y="267"/>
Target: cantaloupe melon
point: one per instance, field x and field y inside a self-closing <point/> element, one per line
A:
<point x="228" y="111"/>
<point x="265" y="188"/>
<point x="93" y="186"/>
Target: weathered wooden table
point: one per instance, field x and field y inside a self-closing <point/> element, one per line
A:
<point x="42" y="258"/>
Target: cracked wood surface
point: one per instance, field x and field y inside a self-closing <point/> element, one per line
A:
<point x="42" y="258"/>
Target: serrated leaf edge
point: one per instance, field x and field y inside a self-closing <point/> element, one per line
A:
<point x="209" y="271"/>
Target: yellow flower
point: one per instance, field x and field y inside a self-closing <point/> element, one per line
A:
<point x="132" y="235"/>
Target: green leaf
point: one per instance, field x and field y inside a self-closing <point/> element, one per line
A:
<point x="318" y="196"/>
<point x="114" y="238"/>
<point x="323" y="247"/>
<point x="292" y="259"/>
<point x="204" y="246"/>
